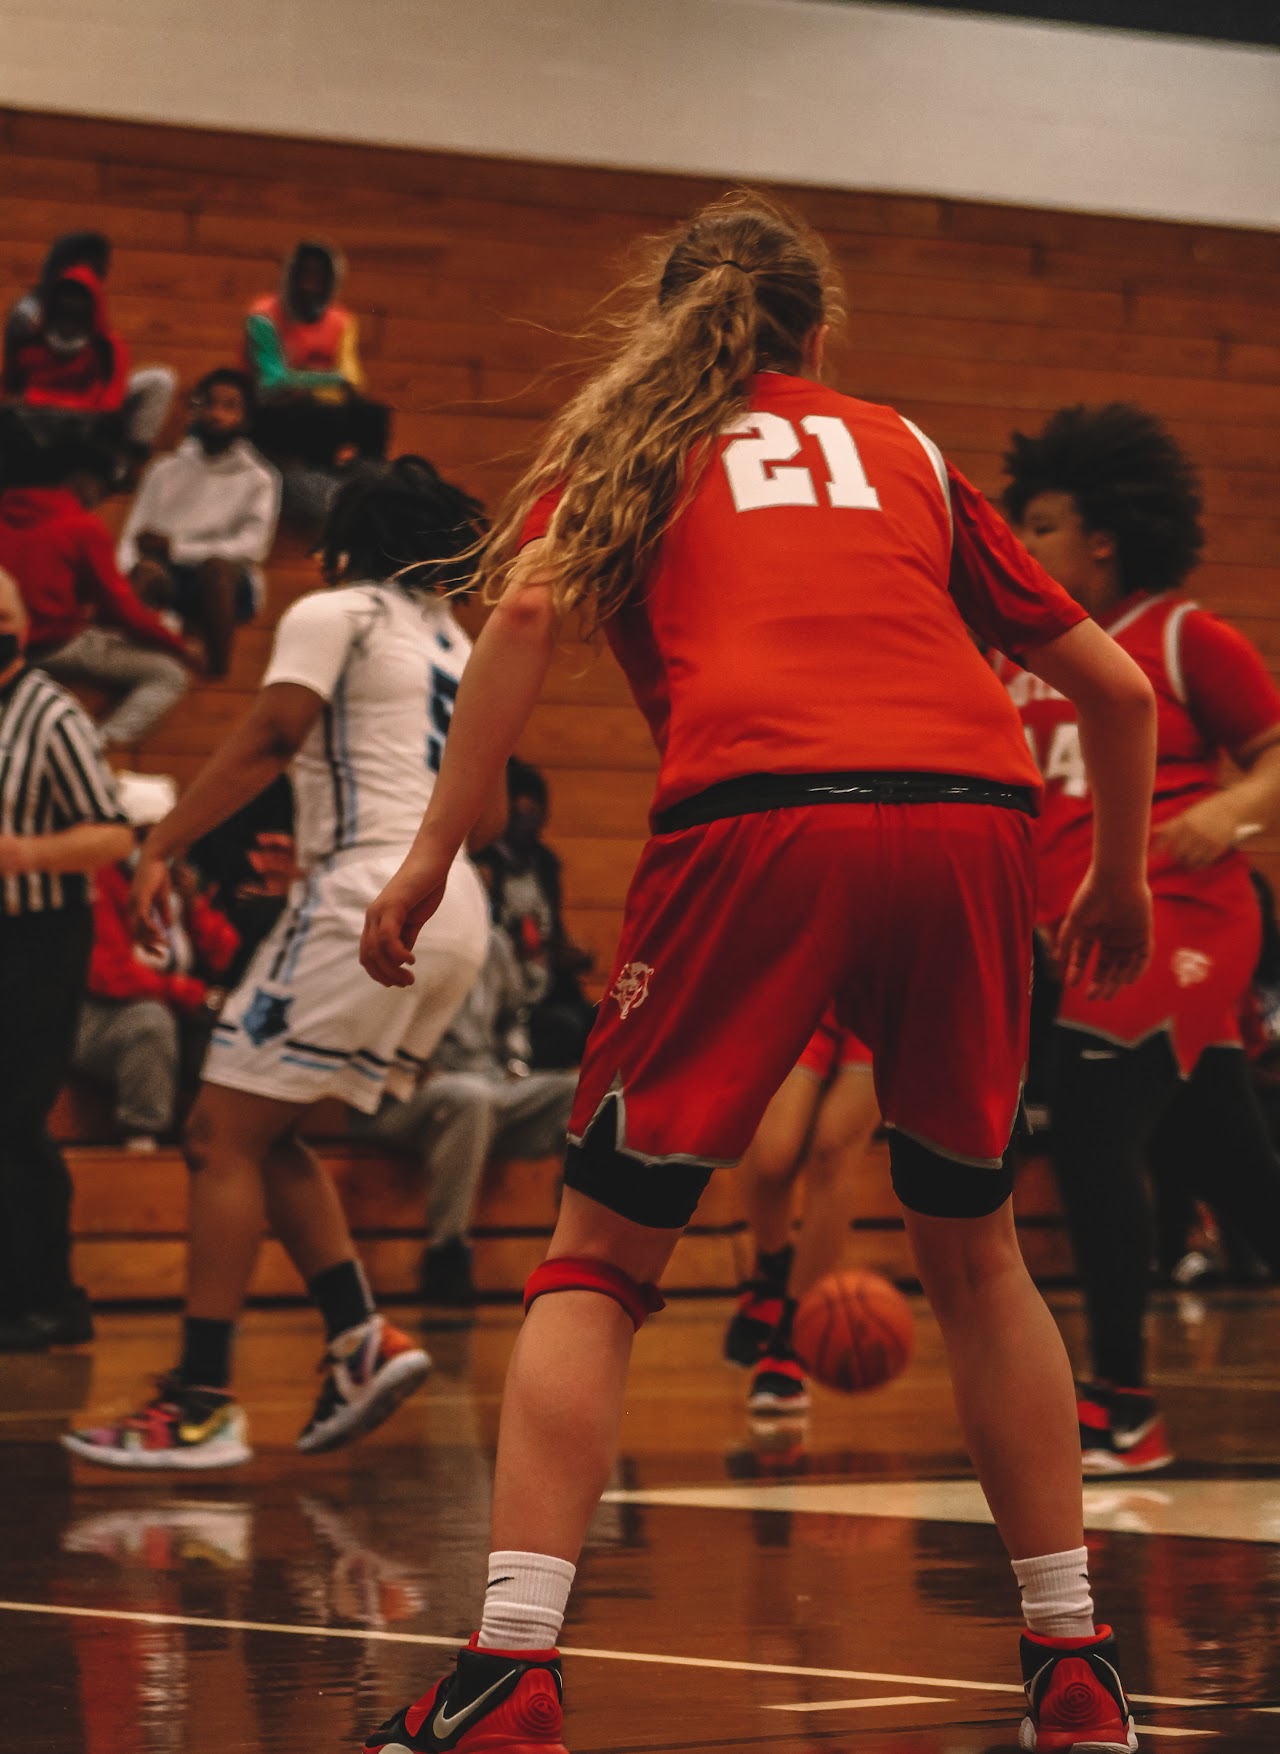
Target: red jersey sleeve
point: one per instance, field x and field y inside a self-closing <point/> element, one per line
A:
<point x="1224" y="681"/>
<point x="541" y="512"/>
<point x="1007" y="598"/>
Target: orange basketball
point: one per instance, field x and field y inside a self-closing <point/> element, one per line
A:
<point x="853" y="1331"/>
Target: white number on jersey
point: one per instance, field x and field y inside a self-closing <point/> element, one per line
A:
<point x="1064" y="759"/>
<point x="761" y="473"/>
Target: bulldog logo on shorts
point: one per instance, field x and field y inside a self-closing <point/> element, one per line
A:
<point x="632" y="986"/>
<point x="1190" y="967"/>
<point x="266" y="1016"/>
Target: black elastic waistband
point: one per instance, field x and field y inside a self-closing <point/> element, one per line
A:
<point x="754" y="792"/>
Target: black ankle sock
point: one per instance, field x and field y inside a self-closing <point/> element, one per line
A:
<point x="342" y="1296"/>
<point x="206" y="1353"/>
<point x="781" y="1335"/>
<point x="775" y="1267"/>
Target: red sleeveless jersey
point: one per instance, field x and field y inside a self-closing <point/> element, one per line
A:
<point x="1213" y="696"/>
<point x="810" y="608"/>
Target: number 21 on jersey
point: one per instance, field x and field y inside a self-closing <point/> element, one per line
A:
<point x="759" y="461"/>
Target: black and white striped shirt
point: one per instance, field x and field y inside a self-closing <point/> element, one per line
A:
<point x="52" y="776"/>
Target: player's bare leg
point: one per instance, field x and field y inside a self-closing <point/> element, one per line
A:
<point x="771" y="1163"/>
<point x="558" y="1435"/>
<point x="1011" y="1376"/>
<point x="303" y="1208"/>
<point x="229" y="1137"/>
<point x="847" y="1118"/>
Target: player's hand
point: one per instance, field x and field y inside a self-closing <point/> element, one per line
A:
<point x="395" y="918"/>
<point x="1203" y="834"/>
<point x="15" y="855"/>
<point x="149" y="903"/>
<point x="1106" y="936"/>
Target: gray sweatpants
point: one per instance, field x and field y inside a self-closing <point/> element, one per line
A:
<point x="457" y="1121"/>
<point x="152" y="681"/>
<point x="132" y="1046"/>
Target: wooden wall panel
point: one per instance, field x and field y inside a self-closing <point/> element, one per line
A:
<point x="473" y="277"/>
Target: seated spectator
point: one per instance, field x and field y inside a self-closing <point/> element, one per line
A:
<point x="204" y="520"/>
<point x="300" y="349"/>
<point x="524" y="885"/>
<point x="36" y="328"/>
<point x="477" y="1101"/>
<point x="146" y="1020"/>
<point x="248" y="864"/>
<point x="87" y="625"/>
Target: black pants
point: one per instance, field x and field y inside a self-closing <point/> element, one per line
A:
<point x="43" y="961"/>
<point x="1108" y="1104"/>
<point x="314" y="432"/>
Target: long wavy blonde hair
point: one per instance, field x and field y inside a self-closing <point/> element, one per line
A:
<point x="740" y="287"/>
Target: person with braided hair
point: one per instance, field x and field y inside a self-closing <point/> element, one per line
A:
<point x="788" y="577"/>
<point x="1108" y="502"/>
<point x="356" y="703"/>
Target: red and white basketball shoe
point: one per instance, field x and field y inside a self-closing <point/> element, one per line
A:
<point x="494" y="1702"/>
<point x="1075" y="1702"/>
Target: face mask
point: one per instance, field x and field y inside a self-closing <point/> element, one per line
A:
<point x="66" y="344"/>
<point x="10" y="649"/>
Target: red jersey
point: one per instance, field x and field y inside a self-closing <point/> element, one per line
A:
<point x="809" y="609"/>
<point x="1213" y="695"/>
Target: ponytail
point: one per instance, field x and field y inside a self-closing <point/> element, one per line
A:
<point x="739" y="289"/>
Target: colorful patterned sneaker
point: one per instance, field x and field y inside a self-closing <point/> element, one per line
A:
<point x="181" y="1428"/>
<point x="368" y="1372"/>
<point x="496" y="1701"/>
<point x="1121" y="1432"/>
<point x="760" y="1306"/>
<point x="1075" y="1703"/>
<point x="779" y="1385"/>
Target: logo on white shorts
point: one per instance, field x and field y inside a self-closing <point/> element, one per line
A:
<point x="1190" y="967"/>
<point x="632" y="986"/>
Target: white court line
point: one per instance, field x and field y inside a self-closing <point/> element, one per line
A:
<point x="1158" y="1730"/>
<point x="861" y="1704"/>
<point x="725" y="1665"/>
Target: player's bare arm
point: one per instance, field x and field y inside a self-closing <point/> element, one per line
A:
<point x="496" y="696"/>
<point x="1213" y="827"/>
<point x="260" y="748"/>
<point x="1111" y="914"/>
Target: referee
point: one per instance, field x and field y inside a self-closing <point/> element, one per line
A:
<point x="59" y="820"/>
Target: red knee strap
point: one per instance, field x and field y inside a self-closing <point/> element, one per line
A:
<point x="580" y="1273"/>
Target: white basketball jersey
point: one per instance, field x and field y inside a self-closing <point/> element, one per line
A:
<point x="387" y="663"/>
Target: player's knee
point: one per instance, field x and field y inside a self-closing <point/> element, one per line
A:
<point x="197" y="1140"/>
<point x="584" y="1273"/>
<point x="936" y="1186"/>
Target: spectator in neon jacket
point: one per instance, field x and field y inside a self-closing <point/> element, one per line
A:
<point x="301" y="350"/>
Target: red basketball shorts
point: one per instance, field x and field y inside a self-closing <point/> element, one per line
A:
<point x="830" y="1049"/>
<point x="914" y="919"/>
<point x="1207" y="937"/>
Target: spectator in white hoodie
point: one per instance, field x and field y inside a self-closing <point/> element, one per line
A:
<point x="204" y="520"/>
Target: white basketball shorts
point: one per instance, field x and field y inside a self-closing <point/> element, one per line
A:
<point x="307" y="1021"/>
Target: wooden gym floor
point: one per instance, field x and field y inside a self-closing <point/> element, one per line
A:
<point x="789" y="1588"/>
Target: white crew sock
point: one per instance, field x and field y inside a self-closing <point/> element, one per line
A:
<point x="1056" y="1599"/>
<point x="524" y="1601"/>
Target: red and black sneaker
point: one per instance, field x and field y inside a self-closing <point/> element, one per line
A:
<point x="1075" y="1702"/>
<point x="779" y="1385"/>
<point x="1121" y="1431"/>
<point x="760" y="1307"/>
<point x="494" y="1702"/>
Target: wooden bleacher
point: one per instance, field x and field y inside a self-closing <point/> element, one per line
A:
<point x="471" y="278"/>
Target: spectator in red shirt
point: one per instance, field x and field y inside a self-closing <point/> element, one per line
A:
<point x="148" y="1013"/>
<point x="87" y="624"/>
<point x="61" y="352"/>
